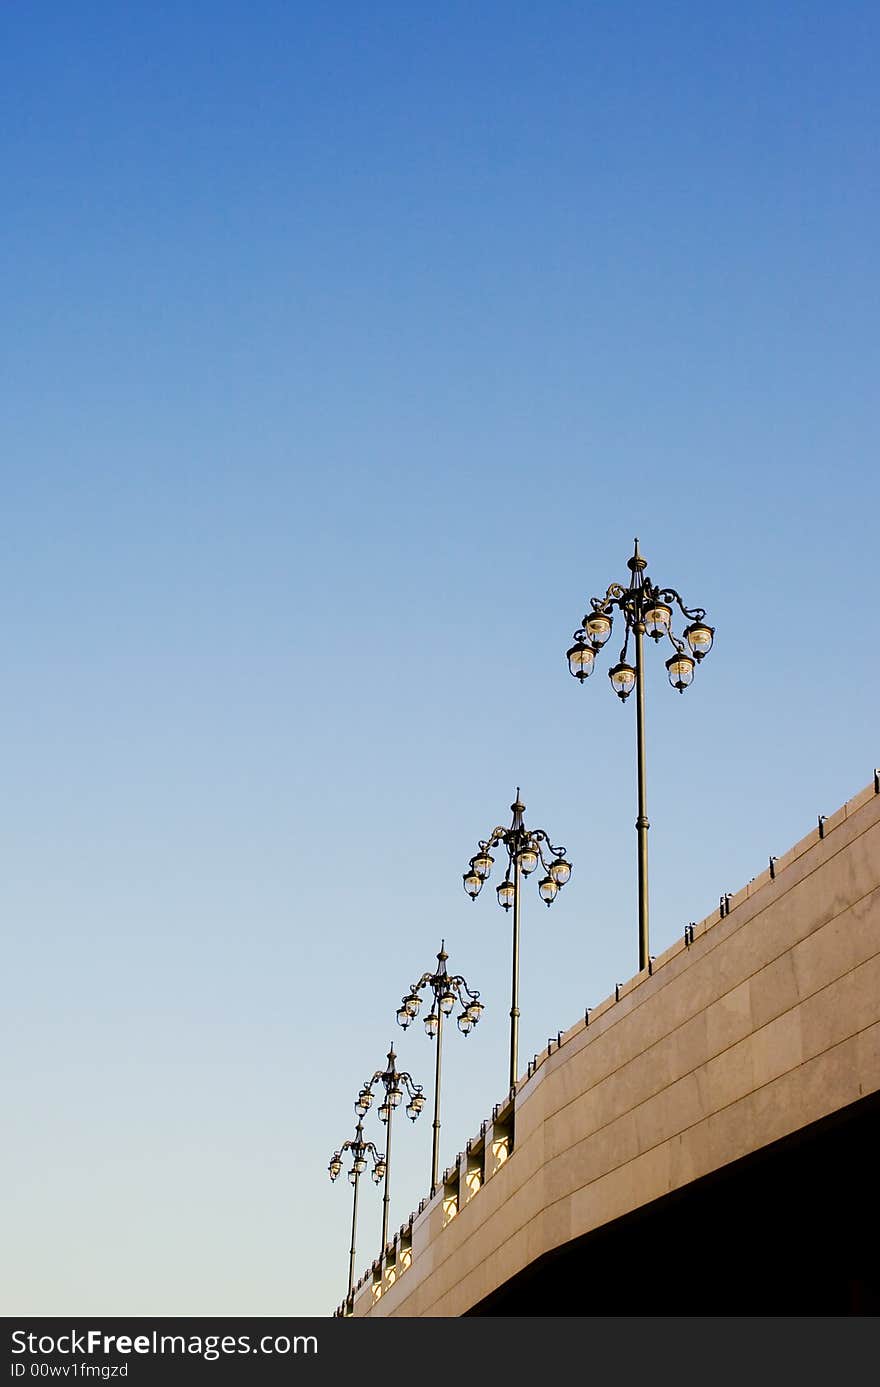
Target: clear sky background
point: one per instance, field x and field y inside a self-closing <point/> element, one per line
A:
<point x="345" y="350"/>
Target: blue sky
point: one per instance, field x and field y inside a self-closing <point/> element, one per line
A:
<point x="346" y="350"/>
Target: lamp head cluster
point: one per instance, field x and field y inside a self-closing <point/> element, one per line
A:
<point x="397" y="1085"/>
<point x="526" y="849"/>
<point x="447" y="990"/>
<point x="360" y="1150"/>
<point x="649" y="608"/>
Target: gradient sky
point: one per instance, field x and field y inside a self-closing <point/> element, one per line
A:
<point x="346" y="349"/>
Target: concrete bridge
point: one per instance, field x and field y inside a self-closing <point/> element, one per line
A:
<point x="705" y="1141"/>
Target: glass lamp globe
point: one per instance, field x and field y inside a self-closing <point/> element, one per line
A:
<point x="658" y="618"/>
<point x="560" y="871"/>
<point x="473" y="883"/>
<point x="547" y="890"/>
<point x="598" y="628"/>
<point x="447" y="1002"/>
<point x="681" y="671"/>
<point x="623" y="680"/>
<point x="699" y="637"/>
<point x="432" y="1024"/>
<point x="482" y="865"/>
<point x="505" y="893"/>
<point x="581" y="660"/>
<point x="528" y="859"/>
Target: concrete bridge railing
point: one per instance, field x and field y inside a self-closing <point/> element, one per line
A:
<point x="764" y="1018"/>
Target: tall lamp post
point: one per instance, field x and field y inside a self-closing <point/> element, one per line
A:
<point x="447" y="989"/>
<point x="525" y="849"/>
<point x="359" y="1149"/>
<point x="394" y="1082"/>
<point x="645" y="608"/>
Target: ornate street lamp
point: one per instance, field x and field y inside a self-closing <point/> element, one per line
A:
<point x="646" y="609"/>
<point x="448" y="989"/>
<point x="525" y="848"/>
<point x="396" y="1084"/>
<point x="359" y="1149"/>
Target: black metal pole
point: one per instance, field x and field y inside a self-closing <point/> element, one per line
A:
<point x="386" y="1197"/>
<point x="354" y="1214"/>
<point x="435" y="1155"/>
<point x="514" y="1005"/>
<point x="642" y="824"/>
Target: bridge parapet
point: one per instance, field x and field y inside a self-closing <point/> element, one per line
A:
<point x="763" y="1017"/>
